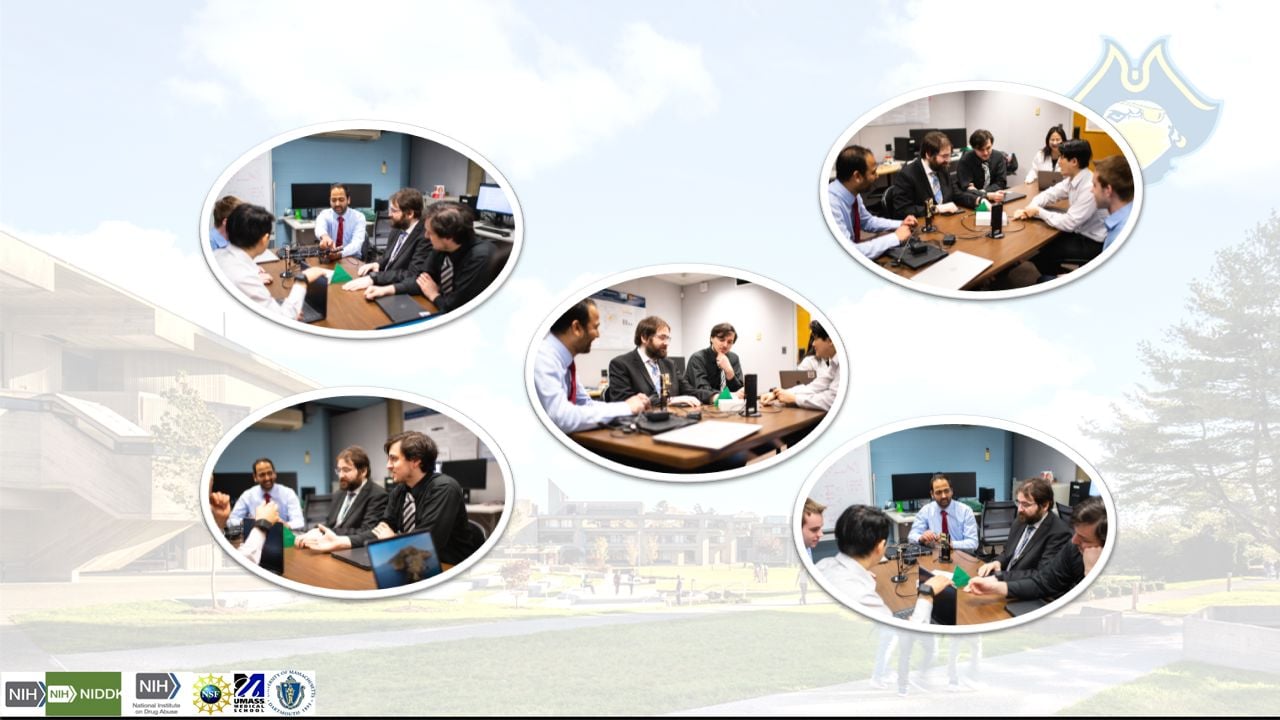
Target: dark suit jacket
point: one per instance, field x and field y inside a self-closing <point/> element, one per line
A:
<point x="366" y="510"/>
<point x="1052" y="579"/>
<point x="702" y="374"/>
<point x="470" y="273"/>
<point x="911" y="188"/>
<point x="628" y="376"/>
<point x="439" y="506"/>
<point x="969" y="170"/>
<point x="1048" y="541"/>
<point x="403" y="271"/>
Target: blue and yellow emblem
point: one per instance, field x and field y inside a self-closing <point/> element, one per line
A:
<point x="1158" y="112"/>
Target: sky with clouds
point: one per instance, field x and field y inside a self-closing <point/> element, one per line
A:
<point x="631" y="136"/>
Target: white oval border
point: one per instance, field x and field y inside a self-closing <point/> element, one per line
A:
<point x="517" y="234"/>
<point x="930" y="421"/>
<point x="325" y="394"/>
<point x="824" y="175"/>
<point x="723" y="271"/>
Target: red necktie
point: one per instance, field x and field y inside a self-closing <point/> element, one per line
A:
<point x="573" y="383"/>
<point x="944" y="523"/>
<point x="266" y="497"/>
<point x="337" y="242"/>
<point x="857" y="223"/>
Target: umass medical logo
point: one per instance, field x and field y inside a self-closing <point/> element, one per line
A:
<point x="250" y="692"/>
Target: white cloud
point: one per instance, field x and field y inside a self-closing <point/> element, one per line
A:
<point x="198" y="92"/>
<point x="543" y="100"/>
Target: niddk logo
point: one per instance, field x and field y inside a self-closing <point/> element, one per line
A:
<point x="291" y="692"/>
<point x="82" y="693"/>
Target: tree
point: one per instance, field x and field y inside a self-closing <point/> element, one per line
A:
<point x="633" y="551"/>
<point x="599" y="554"/>
<point x="515" y="575"/>
<point x="185" y="436"/>
<point x="662" y="507"/>
<point x="1194" y="454"/>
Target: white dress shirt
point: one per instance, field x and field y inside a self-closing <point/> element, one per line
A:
<point x="353" y="229"/>
<point x="820" y="393"/>
<point x="857" y="586"/>
<point x="242" y="271"/>
<point x="285" y="499"/>
<point x="551" y="383"/>
<point x="1082" y="216"/>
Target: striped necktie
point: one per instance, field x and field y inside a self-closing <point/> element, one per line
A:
<point x="409" y="516"/>
<point x="446" y="275"/>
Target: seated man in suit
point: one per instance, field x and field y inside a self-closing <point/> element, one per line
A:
<point x="1036" y="537"/>
<point x="647" y="370"/>
<point x="360" y="503"/>
<point x="982" y="172"/>
<point x="944" y="516"/>
<point x="855" y="174"/>
<point x="714" y="368"/>
<point x="1082" y="228"/>
<point x="457" y="268"/>
<point x="266" y="490"/>
<point x="406" y="254"/>
<point x="1057" y="576"/>
<point x="422" y="499"/>
<point x="927" y="178"/>
<point x="819" y="393"/>
<point x="555" y="373"/>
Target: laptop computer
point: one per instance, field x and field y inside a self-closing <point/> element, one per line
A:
<point x="1046" y="179"/>
<point x="404" y="559"/>
<point x="944" y="603"/>
<point x="402" y="309"/>
<point x="272" y="557"/>
<point x="792" y="378"/>
<point x="1013" y="195"/>
<point x="355" y="556"/>
<point x="316" y="306"/>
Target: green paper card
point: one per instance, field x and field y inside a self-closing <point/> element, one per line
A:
<point x="340" y="275"/>
<point x="959" y="578"/>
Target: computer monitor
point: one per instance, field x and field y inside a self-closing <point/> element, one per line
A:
<point x="360" y="195"/>
<point x="492" y="199"/>
<point x="958" y="136"/>
<point x="918" y="134"/>
<point x="963" y="484"/>
<point x="911" y="486"/>
<point x="470" y="474"/>
<point x="904" y="148"/>
<point x="304" y="196"/>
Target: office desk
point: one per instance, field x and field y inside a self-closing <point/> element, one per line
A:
<point x="1022" y="239"/>
<point x="347" y="310"/>
<point x="970" y="609"/>
<point x="320" y="569"/>
<point x="626" y="449"/>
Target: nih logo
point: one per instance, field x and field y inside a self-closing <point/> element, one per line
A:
<point x="156" y="686"/>
<point x="24" y="694"/>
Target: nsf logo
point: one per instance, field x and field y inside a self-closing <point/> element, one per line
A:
<point x="212" y="694"/>
<point x="291" y="692"/>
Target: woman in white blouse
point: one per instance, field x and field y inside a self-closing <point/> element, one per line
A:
<point x="1047" y="156"/>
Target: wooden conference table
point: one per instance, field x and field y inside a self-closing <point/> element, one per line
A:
<point x="348" y="310"/>
<point x="970" y="609"/>
<point x="320" y="569"/>
<point x="1022" y="239"/>
<point x="775" y="422"/>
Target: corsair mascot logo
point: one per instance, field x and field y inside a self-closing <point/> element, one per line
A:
<point x="1157" y="111"/>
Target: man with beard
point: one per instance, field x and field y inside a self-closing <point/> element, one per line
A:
<point x="945" y="517"/>
<point x="645" y="370"/>
<point x="359" y="504"/>
<point x="340" y="229"/>
<point x="407" y="253"/>
<point x="422" y="499"/>
<point x="1036" y="537"/>
<point x="555" y="374"/>
<point x="1057" y="576"/>
<point x="266" y="490"/>
<point x="457" y="267"/>
<point x="928" y="177"/>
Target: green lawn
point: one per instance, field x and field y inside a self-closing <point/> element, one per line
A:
<point x="652" y="667"/>
<point x="1187" y="688"/>
<point x="1268" y="594"/>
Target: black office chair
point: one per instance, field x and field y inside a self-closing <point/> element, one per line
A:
<point x="497" y="261"/>
<point x="1065" y="512"/>
<point x="478" y="528"/>
<point x="317" y="509"/>
<point x="997" y="520"/>
<point x="886" y="202"/>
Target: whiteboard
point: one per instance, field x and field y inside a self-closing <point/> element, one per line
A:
<point x="847" y="482"/>
<point x="252" y="183"/>
<point x="619" y="314"/>
<point x="915" y="112"/>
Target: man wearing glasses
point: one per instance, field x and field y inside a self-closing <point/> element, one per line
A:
<point x="944" y="517"/>
<point x="1036" y="537"/>
<point x="642" y="372"/>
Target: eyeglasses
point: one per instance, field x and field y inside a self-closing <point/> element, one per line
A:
<point x="1026" y="505"/>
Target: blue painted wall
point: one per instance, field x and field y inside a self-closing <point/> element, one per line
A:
<point x="287" y="450"/>
<point x="954" y="448"/>
<point x="328" y="160"/>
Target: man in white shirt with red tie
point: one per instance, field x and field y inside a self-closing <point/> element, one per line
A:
<point x="944" y="516"/>
<point x="856" y="173"/>
<point x="341" y="228"/>
<point x="555" y="374"/>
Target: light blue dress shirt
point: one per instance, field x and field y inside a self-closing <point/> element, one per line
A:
<point x="353" y="226"/>
<point x="961" y="524"/>
<point x="841" y="202"/>
<point x="1115" y="223"/>
<point x="551" y="382"/>
<point x="285" y="499"/>
<point x="216" y="241"/>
